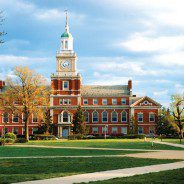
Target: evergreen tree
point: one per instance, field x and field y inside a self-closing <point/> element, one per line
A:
<point x="79" y="125"/>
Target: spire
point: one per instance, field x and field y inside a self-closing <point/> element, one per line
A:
<point x="66" y="26"/>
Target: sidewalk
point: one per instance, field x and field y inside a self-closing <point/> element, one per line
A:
<point x="170" y="144"/>
<point x="105" y="175"/>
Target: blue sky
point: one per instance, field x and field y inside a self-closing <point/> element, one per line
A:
<point x="115" y="40"/>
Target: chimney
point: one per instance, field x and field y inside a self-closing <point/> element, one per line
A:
<point x="130" y="86"/>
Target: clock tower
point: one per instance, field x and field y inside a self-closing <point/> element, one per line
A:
<point x="66" y="81"/>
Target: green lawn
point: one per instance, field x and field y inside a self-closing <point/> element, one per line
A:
<point x="172" y="177"/>
<point x="109" y="143"/>
<point x="17" y="170"/>
<point x="10" y="151"/>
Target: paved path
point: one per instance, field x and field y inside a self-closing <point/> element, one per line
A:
<point x="170" y="144"/>
<point x="105" y="175"/>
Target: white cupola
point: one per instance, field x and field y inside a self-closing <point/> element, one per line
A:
<point x="66" y="38"/>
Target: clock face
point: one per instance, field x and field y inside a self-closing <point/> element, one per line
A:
<point x="65" y="64"/>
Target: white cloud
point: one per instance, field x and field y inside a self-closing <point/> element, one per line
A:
<point x="141" y="43"/>
<point x="160" y="93"/>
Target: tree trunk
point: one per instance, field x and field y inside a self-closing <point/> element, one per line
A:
<point x="26" y="130"/>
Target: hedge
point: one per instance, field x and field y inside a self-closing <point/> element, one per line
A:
<point x="44" y="137"/>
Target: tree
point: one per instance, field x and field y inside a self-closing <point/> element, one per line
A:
<point x="133" y="126"/>
<point x="25" y="93"/>
<point x="177" y="110"/>
<point x="2" y="33"/>
<point x="79" y="125"/>
<point x="164" y="125"/>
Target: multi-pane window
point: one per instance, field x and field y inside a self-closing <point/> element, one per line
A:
<point x="114" y="130"/>
<point x="85" y="101"/>
<point x="104" y="101"/>
<point x="95" y="101"/>
<point x="65" y="117"/>
<point x="86" y="116"/>
<point x="15" y="131"/>
<point x="124" y="116"/>
<point x="5" y="117"/>
<point x="104" y="116"/>
<point x="95" y="116"/>
<point x="23" y="118"/>
<point x="61" y="102"/>
<point x="124" y="130"/>
<point x="114" y="116"/>
<point x="104" y="129"/>
<point x="65" y="85"/>
<point x="123" y="101"/>
<point x="140" y="117"/>
<point x="140" y="130"/>
<point x="66" y="101"/>
<point x="151" y="117"/>
<point x="35" y="118"/>
<point x="151" y="131"/>
<point x="16" y="118"/>
<point x="95" y="130"/>
<point x="114" y="101"/>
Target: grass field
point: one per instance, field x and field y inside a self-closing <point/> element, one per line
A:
<point x="108" y="143"/>
<point x="16" y="170"/>
<point x="8" y="151"/>
<point x="172" y="177"/>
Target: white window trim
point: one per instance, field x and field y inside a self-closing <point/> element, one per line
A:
<point x="122" y="101"/>
<point x="102" y="117"/>
<point x="122" y="116"/>
<point x="122" y="131"/>
<point x="88" y="116"/>
<point x="111" y="117"/>
<point x="94" y="101"/>
<point x="142" y="130"/>
<point x="114" y="132"/>
<point x="65" y="89"/>
<point x="138" y="116"/>
<point x="97" y="116"/>
<point x="13" y="118"/>
<point x="86" y="101"/>
<point x="115" y="101"/>
<point x="60" y="101"/>
<point x="104" y="99"/>
<point x="3" y="118"/>
<point x="149" y="117"/>
<point x="32" y="119"/>
<point x="96" y="128"/>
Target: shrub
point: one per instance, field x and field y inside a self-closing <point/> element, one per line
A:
<point x="6" y="141"/>
<point x="20" y="140"/>
<point x="10" y="135"/>
<point x="75" y="136"/>
<point x="44" y="137"/>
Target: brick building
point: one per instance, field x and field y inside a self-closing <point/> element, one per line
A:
<point x="106" y="108"/>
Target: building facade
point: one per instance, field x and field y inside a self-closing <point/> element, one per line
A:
<point x="110" y="109"/>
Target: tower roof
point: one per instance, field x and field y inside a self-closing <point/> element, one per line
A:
<point x="67" y="33"/>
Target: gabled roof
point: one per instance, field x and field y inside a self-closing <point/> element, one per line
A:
<point x="104" y="91"/>
<point x="139" y="102"/>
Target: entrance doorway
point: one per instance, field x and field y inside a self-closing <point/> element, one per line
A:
<point x="65" y="132"/>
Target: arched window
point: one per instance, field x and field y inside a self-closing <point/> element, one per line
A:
<point x="15" y="117"/>
<point x="66" y="44"/>
<point x="124" y="116"/>
<point x="65" y="117"/>
<point x="5" y="117"/>
<point x="114" y="116"/>
<point x="95" y="116"/>
<point x="86" y="116"/>
<point x="104" y="116"/>
<point x="151" y="117"/>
